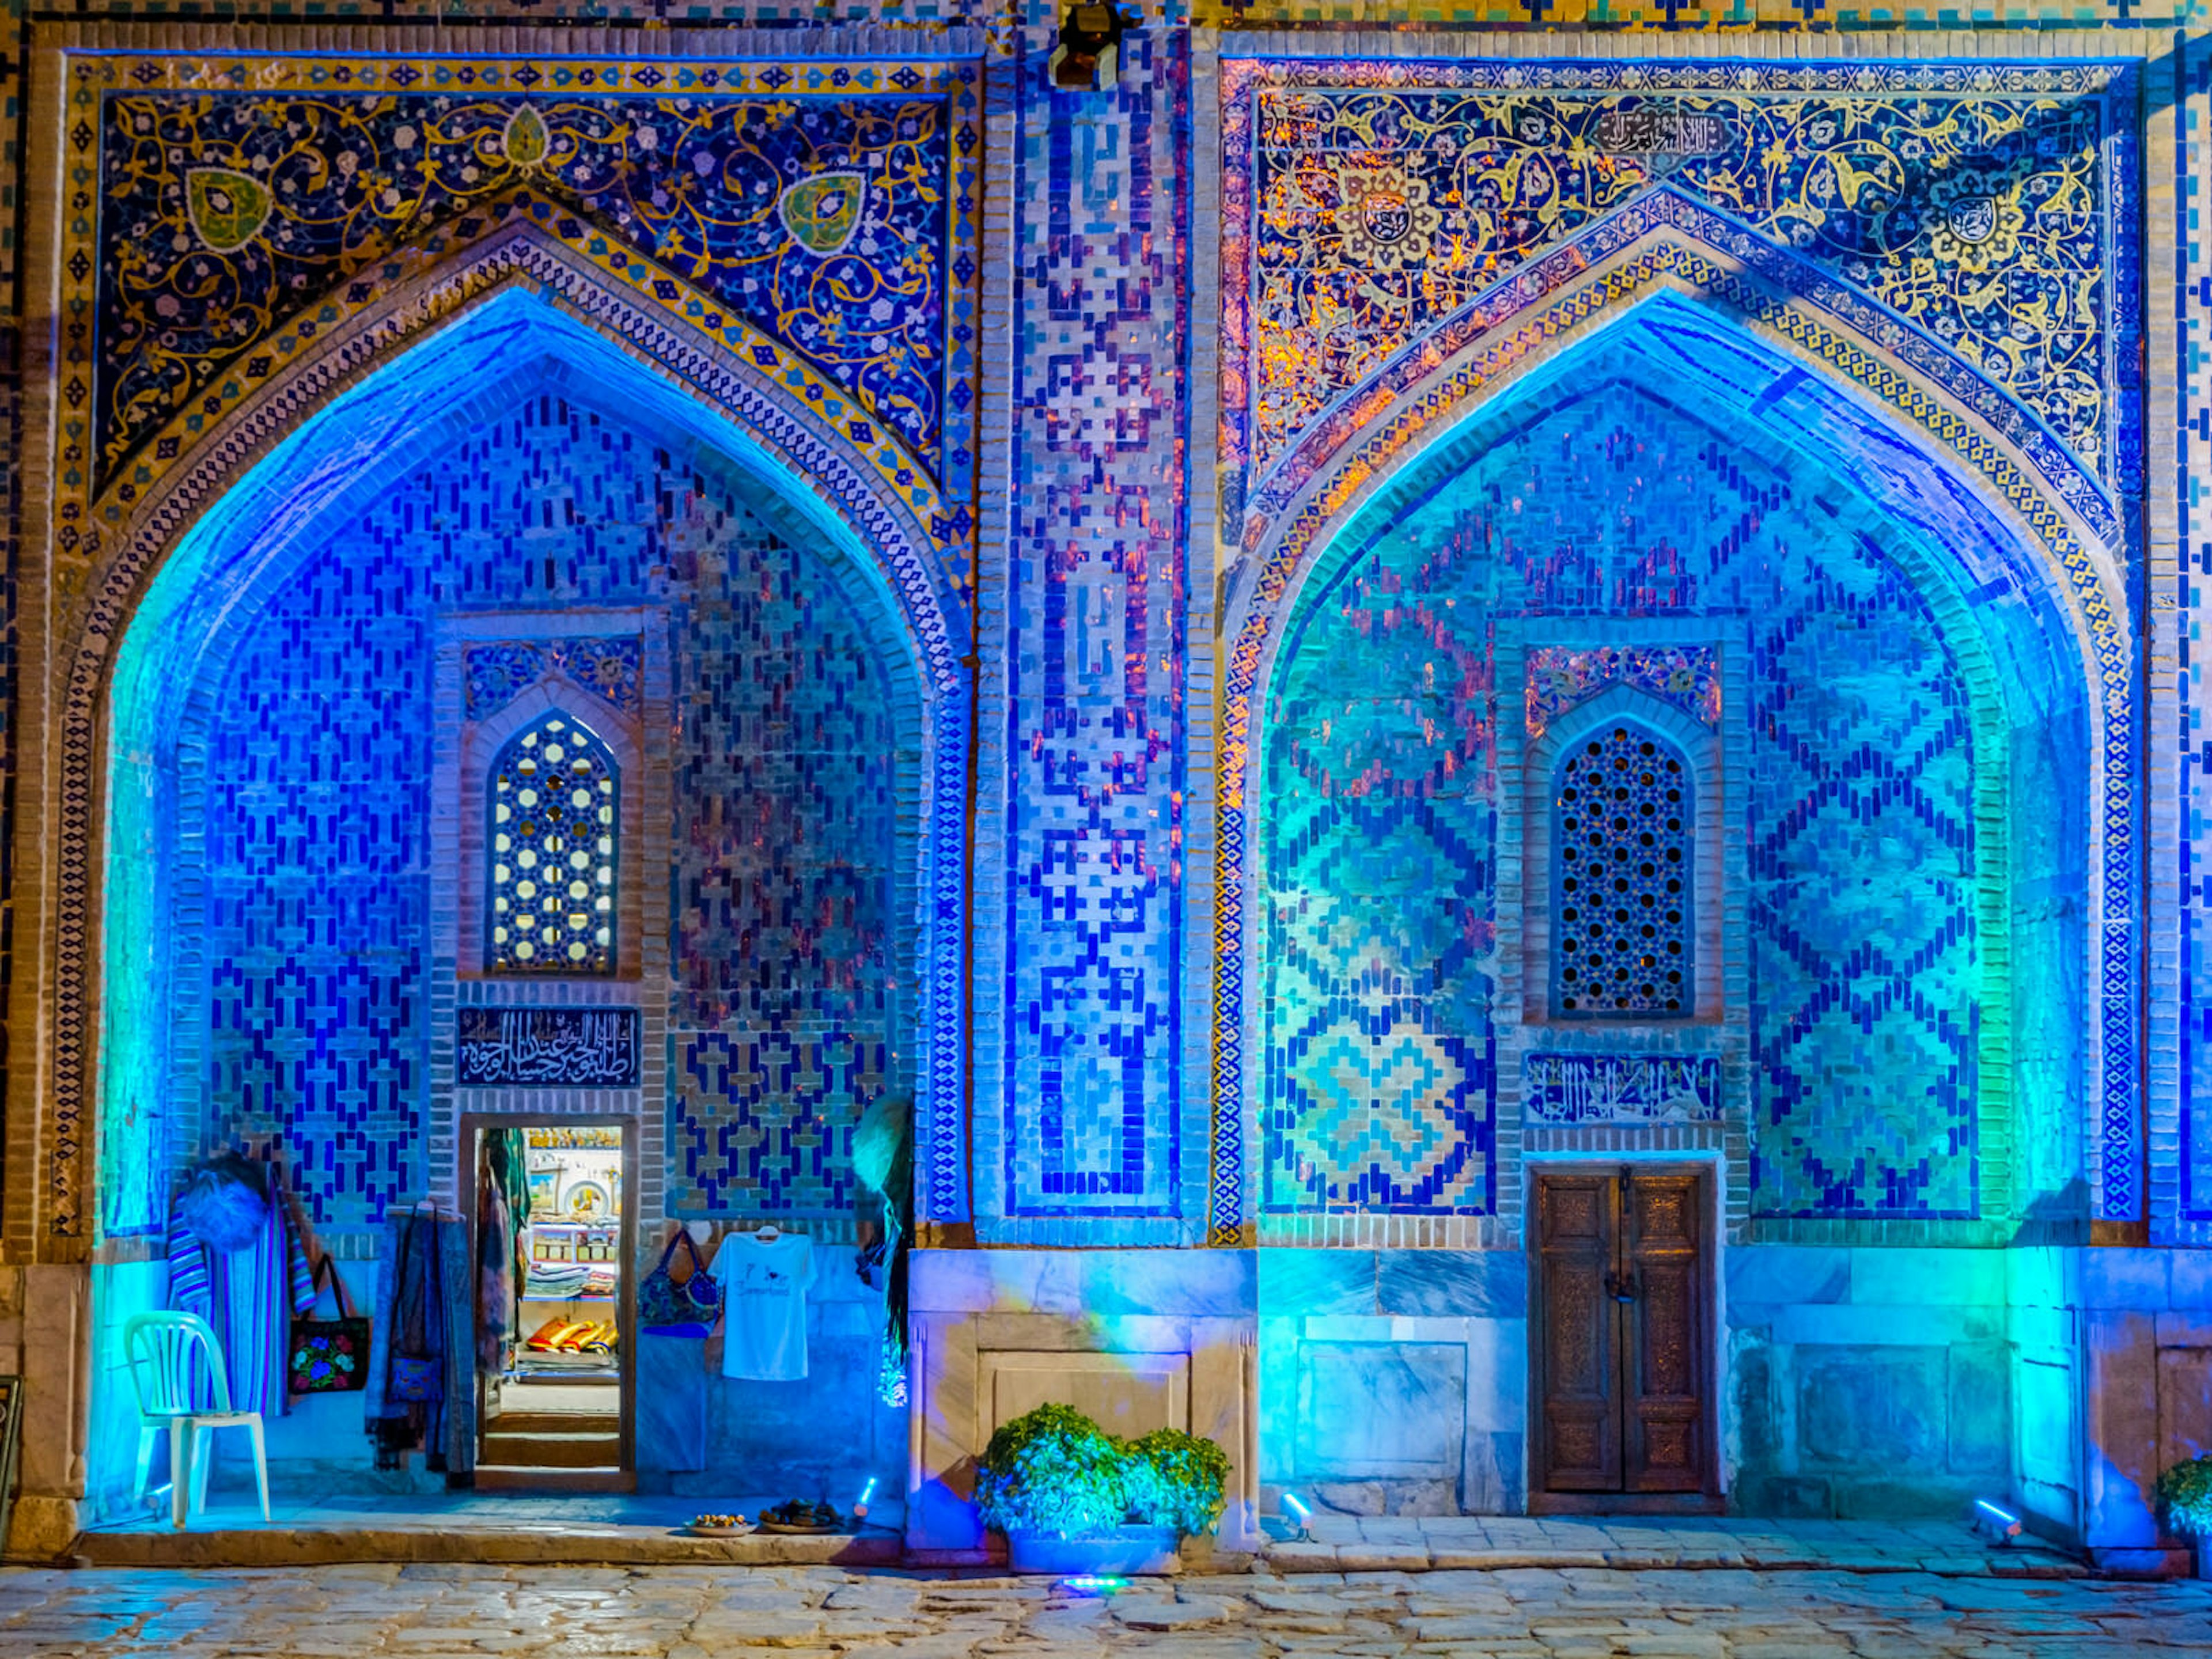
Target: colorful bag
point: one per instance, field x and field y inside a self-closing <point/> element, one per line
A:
<point x="667" y="1308"/>
<point x="329" y="1356"/>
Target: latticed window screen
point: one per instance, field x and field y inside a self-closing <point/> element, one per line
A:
<point x="1620" y="908"/>
<point x="554" y="793"/>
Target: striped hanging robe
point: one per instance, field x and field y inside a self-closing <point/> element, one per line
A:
<point x="249" y="1297"/>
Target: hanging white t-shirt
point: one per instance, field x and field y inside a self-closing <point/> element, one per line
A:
<point x="764" y="1284"/>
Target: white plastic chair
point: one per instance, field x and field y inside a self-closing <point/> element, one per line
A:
<point x="163" y="1349"/>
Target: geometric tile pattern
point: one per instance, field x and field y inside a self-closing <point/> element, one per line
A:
<point x="1533" y="310"/>
<point x="548" y="257"/>
<point x="1706" y="18"/>
<point x="2188" y="589"/>
<point x="787" y="807"/>
<point x="1379" y="813"/>
<point x="317" y="816"/>
<point x="1089" y="1102"/>
<point x="317" y="888"/>
<point x="1863" y="907"/>
<point x="1381" y="820"/>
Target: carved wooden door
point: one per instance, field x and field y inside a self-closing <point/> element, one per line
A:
<point x="1621" y="1348"/>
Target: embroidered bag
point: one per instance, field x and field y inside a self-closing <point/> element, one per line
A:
<point x="667" y="1308"/>
<point x="329" y="1356"/>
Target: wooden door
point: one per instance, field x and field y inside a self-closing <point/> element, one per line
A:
<point x="1621" y="1355"/>
<point x="1578" y="1239"/>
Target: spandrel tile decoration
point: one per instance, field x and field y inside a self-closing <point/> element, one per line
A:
<point x="1462" y="753"/>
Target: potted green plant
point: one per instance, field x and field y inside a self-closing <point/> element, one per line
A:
<point x="1072" y="1499"/>
<point x="1177" y="1480"/>
<point x="2184" y="1499"/>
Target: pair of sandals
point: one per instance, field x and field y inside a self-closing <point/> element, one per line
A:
<point x="574" y="1336"/>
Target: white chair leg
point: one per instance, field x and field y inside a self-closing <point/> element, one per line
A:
<point x="203" y="1461"/>
<point x="146" y="1433"/>
<point x="180" y="1470"/>
<point x="260" y="1463"/>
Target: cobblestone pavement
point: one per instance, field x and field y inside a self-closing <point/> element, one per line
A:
<point x="714" y="1613"/>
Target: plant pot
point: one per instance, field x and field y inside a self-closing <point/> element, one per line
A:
<point x="1123" y="1552"/>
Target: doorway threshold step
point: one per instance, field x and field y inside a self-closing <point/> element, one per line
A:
<point x="553" y="1450"/>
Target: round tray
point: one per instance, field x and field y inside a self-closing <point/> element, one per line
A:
<point x="800" y="1532"/>
<point x="715" y="1531"/>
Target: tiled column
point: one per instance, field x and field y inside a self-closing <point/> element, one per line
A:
<point x="1080" y="1132"/>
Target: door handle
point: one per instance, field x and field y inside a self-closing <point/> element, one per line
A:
<point x="1621" y="1287"/>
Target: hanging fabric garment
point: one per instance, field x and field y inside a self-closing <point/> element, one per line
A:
<point x="510" y="1168"/>
<point x="507" y="1151"/>
<point x="495" y="1307"/>
<point x="249" y="1296"/>
<point x="423" y="1343"/>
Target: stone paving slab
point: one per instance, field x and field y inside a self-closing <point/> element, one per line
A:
<point x="425" y="1611"/>
<point x="1497" y="1543"/>
<point x="463" y="1545"/>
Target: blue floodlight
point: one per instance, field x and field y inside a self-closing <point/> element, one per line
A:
<point x="1093" y="1583"/>
<point x="1996" y="1525"/>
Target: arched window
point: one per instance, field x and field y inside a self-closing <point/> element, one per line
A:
<point x="553" y="801"/>
<point x="1621" y="898"/>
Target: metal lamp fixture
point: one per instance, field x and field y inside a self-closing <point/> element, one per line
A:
<point x="1088" y="56"/>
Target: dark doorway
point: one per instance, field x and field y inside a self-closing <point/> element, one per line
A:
<point x="1621" y="1349"/>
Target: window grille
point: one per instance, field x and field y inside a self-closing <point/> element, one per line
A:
<point x="553" y="795"/>
<point x="1620" y="839"/>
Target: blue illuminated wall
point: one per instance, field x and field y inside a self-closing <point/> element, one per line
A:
<point x="1382" y="803"/>
<point x="787" y="980"/>
<point x="311" y="1023"/>
<point x="1875" y="455"/>
<point x="1381" y="822"/>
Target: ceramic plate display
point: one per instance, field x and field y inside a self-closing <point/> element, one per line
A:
<point x="718" y="1526"/>
<point x="799" y="1517"/>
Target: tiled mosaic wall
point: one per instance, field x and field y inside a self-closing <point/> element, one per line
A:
<point x="1083" y="1117"/>
<point x="785" y="967"/>
<point x="1084" y="1037"/>
<point x="1381" y="820"/>
<point x="317" y="785"/>
<point x="1381" y="790"/>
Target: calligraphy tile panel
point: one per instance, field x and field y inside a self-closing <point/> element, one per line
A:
<point x="547" y="1047"/>
<point x="1572" y="1088"/>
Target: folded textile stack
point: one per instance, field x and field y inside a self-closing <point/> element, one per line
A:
<point x="557" y="1280"/>
<point x="574" y="1336"/>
